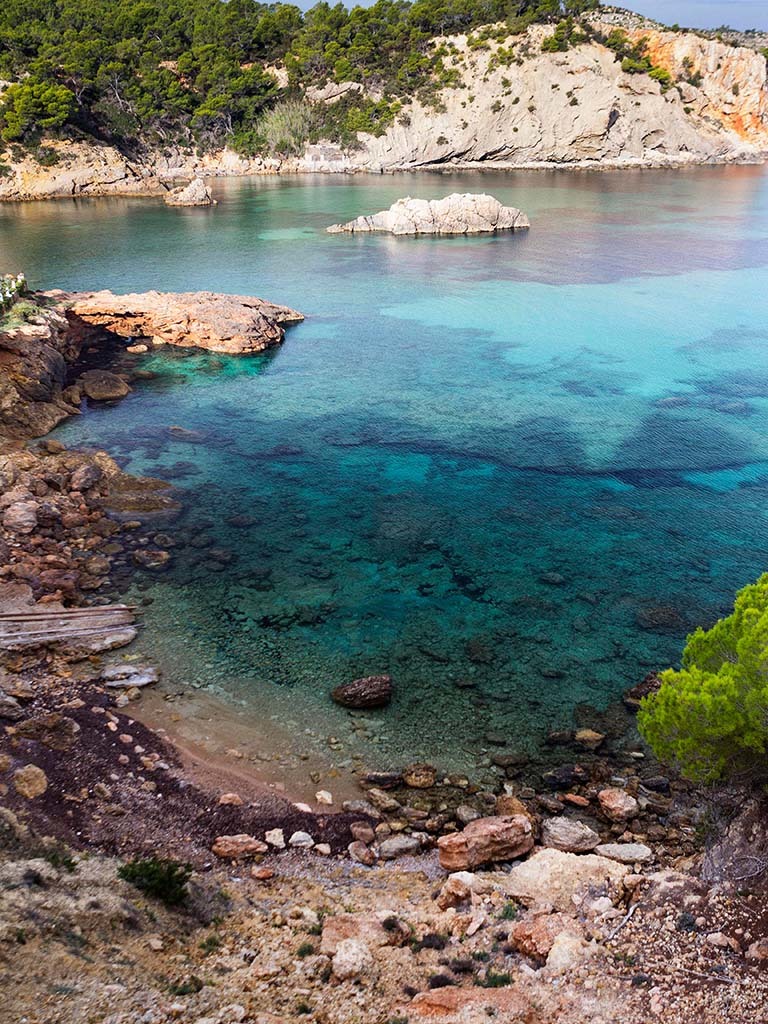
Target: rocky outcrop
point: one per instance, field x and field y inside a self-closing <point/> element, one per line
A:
<point x="34" y="351"/>
<point x="196" y="193"/>
<point x="515" y="106"/>
<point x="80" y="169"/>
<point x="220" y="323"/>
<point x="457" y="214"/>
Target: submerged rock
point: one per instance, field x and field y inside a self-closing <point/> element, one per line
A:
<point x="457" y="214"/>
<point x="195" y="193"/>
<point x="367" y="692"/>
<point x="103" y="386"/>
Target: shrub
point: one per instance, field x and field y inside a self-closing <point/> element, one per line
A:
<point x="165" y="880"/>
<point x="286" y="128"/>
<point x="711" y="717"/>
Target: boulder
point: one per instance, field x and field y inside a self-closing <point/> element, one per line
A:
<point x="361" y="854"/>
<point x="85" y="476"/>
<point x="616" y="804"/>
<point x="126" y="676"/>
<point x="398" y="846"/>
<point x="152" y="559"/>
<point x="367" y="692"/>
<point x="20" y="517"/>
<point x="485" y="841"/>
<point x="238" y="847"/>
<point x="195" y="193"/>
<point x="589" y="739"/>
<point x="457" y="214"/>
<point x="568" y="834"/>
<point x="535" y="937"/>
<point x="555" y="878"/>
<point x="103" y="386"/>
<point x="220" y="323"/>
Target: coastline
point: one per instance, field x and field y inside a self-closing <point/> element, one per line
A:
<point x="151" y="185"/>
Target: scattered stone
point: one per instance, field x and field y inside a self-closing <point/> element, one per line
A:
<point x="617" y="805"/>
<point x="154" y="560"/>
<point x="324" y="797"/>
<point x="420" y="776"/>
<point x="230" y="800"/>
<point x="554" y="877"/>
<point x="589" y="739"/>
<point x="20" y="517"/>
<point x="238" y="847"/>
<point x="484" y="841"/>
<point x="10" y="709"/>
<point x="569" y="835"/>
<point x="398" y="846"/>
<point x="275" y="837"/>
<point x="362" y="832"/>
<point x="301" y="841"/>
<point x="194" y="193"/>
<point x="361" y="854"/>
<point x="466" y="813"/>
<point x="128" y="676"/>
<point x="353" y="960"/>
<point x="30" y="781"/>
<point x="536" y="937"/>
<point x="626" y="853"/>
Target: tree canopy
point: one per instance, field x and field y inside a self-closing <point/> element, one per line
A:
<point x="154" y="72"/>
<point x="711" y="717"/>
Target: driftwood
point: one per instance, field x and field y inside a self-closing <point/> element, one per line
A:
<point x="24" y="623"/>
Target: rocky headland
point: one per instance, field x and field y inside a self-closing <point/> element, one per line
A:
<point x="456" y="214"/>
<point x="509" y="104"/>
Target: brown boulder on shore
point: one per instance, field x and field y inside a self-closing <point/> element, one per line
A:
<point x="484" y="841"/>
<point x="220" y="323"/>
<point x="368" y="692"/>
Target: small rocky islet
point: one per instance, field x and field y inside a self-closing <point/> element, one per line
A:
<point x="560" y="894"/>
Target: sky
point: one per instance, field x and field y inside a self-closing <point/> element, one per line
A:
<point x="688" y="13"/>
<point x="704" y="13"/>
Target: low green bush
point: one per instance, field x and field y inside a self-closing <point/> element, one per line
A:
<point x="164" y="880"/>
<point x="710" y="718"/>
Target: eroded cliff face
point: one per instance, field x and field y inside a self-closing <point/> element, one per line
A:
<point x="580" y="108"/>
<point x="730" y="81"/>
<point x="514" y="106"/>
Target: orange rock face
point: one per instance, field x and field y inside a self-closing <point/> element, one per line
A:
<point x="536" y="937"/>
<point x="484" y="841"/>
<point x="220" y="323"/>
<point x="501" y="1004"/>
<point x="731" y="80"/>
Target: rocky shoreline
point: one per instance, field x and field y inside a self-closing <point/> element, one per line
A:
<point x="578" y="898"/>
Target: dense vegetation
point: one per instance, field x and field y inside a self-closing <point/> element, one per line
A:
<point x="200" y="72"/>
<point x="711" y="717"/>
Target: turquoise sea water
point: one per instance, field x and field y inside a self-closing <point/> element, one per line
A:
<point x="532" y="461"/>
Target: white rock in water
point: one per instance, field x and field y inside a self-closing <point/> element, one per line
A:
<point x="196" y="193"/>
<point x="457" y="214"/>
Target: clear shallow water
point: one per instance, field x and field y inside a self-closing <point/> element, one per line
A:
<point x="532" y="461"/>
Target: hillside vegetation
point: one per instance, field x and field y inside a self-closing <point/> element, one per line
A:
<point x="147" y="74"/>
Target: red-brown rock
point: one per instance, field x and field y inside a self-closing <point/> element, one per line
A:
<point x="484" y="841"/>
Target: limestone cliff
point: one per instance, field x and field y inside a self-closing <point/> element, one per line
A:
<point x="512" y="106"/>
<point x="580" y="108"/>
